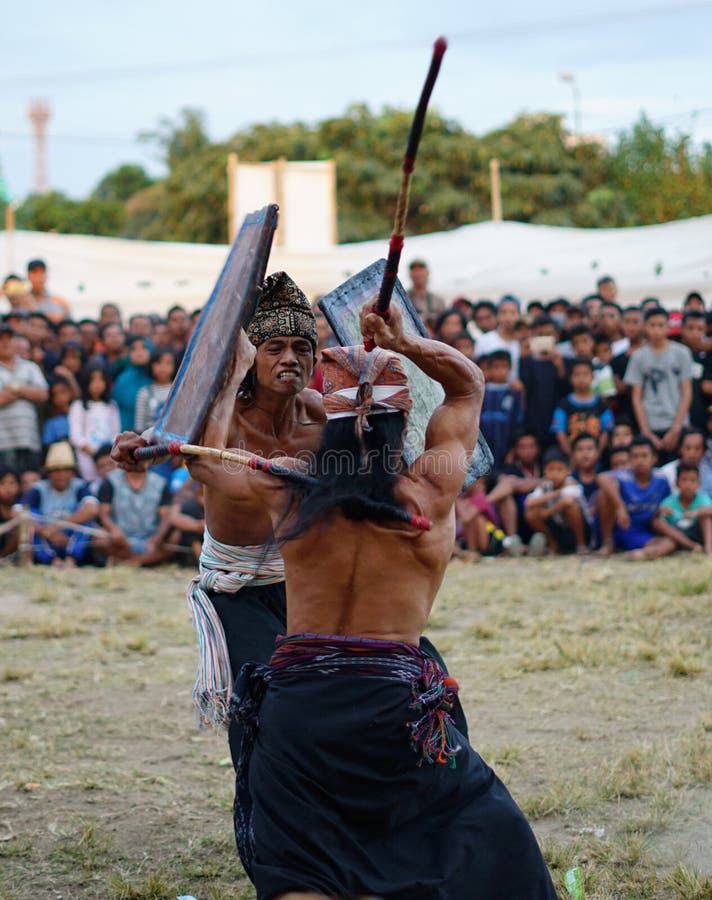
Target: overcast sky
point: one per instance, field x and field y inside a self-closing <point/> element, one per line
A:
<point x="110" y="71"/>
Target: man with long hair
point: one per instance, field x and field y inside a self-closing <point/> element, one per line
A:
<point x="353" y="779"/>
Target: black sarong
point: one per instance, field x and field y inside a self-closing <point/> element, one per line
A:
<point x="253" y="619"/>
<point x="353" y="781"/>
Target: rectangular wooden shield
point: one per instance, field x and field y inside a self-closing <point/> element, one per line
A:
<point x="341" y="308"/>
<point x="209" y="352"/>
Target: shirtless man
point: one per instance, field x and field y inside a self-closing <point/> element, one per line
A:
<point x="267" y="410"/>
<point x="353" y="779"/>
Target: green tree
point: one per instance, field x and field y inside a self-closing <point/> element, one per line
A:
<point x="122" y="183"/>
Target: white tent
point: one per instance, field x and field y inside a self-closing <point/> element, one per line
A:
<point x="485" y="260"/>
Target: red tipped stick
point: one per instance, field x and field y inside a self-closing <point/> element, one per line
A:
<point x="395" y="245"/>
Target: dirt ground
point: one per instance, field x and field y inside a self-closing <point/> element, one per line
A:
<point x="587" y="685"/>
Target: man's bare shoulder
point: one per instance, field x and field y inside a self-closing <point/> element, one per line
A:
<point x="313" y="405"/>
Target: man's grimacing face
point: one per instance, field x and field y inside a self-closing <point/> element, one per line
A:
<point x="284" y="364"/>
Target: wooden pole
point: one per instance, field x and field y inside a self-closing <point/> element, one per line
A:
<point x="24" y="539"/>
<point x="10" y="237"/>
<point x="231" y="196"/>
<point x="280" y="174"/>
<point x="333" y="209"/>
<point x="496" y="191"/>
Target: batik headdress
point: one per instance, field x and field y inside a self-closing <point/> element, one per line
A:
<point x="282" y="311"/>
<point x="361" y="384"/>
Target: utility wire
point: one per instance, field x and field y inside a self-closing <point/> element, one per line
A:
<point x="505" y="32"/>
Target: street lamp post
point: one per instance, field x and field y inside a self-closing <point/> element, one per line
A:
<point x="570" y="78"/>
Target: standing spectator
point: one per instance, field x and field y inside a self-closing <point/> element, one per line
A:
<point x="54" y="307"/>
<point x="591" y="307"/>
<point x="41" y="335"/>
<point x="660" y="377"/>
<point x="543" y="375"/>
<point x="88" y="336"/>
<point x="504" y="336"/>
<point x="151" y="397"/>
<point x="485" y="316"/>
<point x="129" y="382"/>
<point x="603" y="381"/>
<point x="93" y="420"/>
<point x="178" y="325"/>
<point x="686" y="516"/>
<point x="113" y="341"/>
<point x="140" y="326"/>
<point x="610" y="323"/>
<point x="9" y="495"/>
<point x="628" y="503"/>
<point x="556" y="508"/>
<point x="427" y="304"/>
<point x="109" y="314"/>
<point x="694" y="300"/>
<point x="60" y="495"/>
<point x="694" y="336"/>
<point x="18" y="297"/>
<point x="66" y="330"/>
<point x="22" y="389"/>
<point x="71" y="361"/>
<point x="607" y="289"/>
<point x="633" y="327"/>
<point x="135" y="511"/>
<point x="501" y="408"/>
<point x="465" y="344"/>
<point x="582" y="411"/>
<point x="449" y="323"/>
<point x="56" y="426"/>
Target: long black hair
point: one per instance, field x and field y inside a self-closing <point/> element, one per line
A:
<point x="356" y="477"/>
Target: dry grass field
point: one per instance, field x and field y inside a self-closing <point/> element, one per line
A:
<point x="587" y="685"/>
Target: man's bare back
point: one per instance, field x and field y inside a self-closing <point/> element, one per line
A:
<point x="338" y="571"/>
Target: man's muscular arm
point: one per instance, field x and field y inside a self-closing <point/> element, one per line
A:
<point x="452" y="431"/>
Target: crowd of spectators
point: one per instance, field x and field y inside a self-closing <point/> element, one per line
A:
<point x="599" y="418"/>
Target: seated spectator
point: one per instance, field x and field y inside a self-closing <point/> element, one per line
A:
<point x="618" y="458"/>
<point x="478" y="529"/>
<point x="60" y="495"/>
<point x="556" y="507"/>
<point x="9" y="495"/>
<point x="514" y="481"/>
<point x="22" y="389"/>
<point x="543" y="376"/>
<point x="22" y="346"/>
<point x="56" y="426"/>
<point x="187" y="523"/>
<point x="692" y="452"/>
<point x="582" y="410"/>
<point x="686" y="517"/>
<point x="623" y="432"/>
<point x="151" y="397"/>
<point x="134" y="508"/>
<point x="584" y="468"/>
<point x="502" y="411"/>
<point x="135" y="375"/>
<point x="28" y="479"/>
<point x="628" y="502"/>
<point x="104" y="464"/>
<point x="93" y="420"/>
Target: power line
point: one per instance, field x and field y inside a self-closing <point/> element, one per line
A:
<point x="510" y="31"/>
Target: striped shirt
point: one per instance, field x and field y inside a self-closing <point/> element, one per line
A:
<point x="19" y="427"/>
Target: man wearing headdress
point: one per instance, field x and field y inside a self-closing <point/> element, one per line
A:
<point x="353" y="779"/>
<point x="238" y="599"/>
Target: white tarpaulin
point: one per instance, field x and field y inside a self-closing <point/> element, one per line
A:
<point x="485" y="260"/>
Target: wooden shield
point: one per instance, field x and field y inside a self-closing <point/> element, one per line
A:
<point x="342" y="306"/>
<point x="209" y="353"/>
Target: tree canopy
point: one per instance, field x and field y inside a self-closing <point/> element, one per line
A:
<point x="547" y="176"/>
